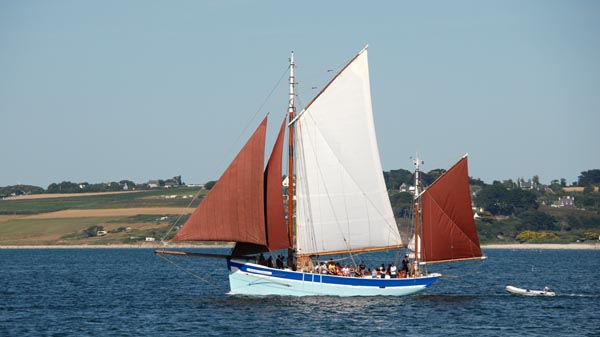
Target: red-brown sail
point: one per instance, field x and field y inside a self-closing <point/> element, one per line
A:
<point x="449" y="231"/>
<point x="234" y="209"/>
<point x="277" y="237"/>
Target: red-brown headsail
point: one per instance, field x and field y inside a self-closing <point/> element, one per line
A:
<point x="277" y="237"/>
<point x="449" y="231"/>
<point x="234" y="209"/>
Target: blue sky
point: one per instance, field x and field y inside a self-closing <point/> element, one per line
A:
<point x="101" y="91"/>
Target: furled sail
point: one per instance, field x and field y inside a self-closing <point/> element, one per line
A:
<point x="342" y="200"/>
<point x="449" y="231"/>
<point x="234" y="208"/>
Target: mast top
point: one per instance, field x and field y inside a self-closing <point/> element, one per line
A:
<point x="292" y="83"/>
<point x="417" y="162"/>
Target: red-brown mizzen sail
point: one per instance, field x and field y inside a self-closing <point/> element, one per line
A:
<point x="449" y="231"/>
<point x="234" y="209"/>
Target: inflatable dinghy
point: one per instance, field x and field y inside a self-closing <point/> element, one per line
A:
<point x="529" y="292"/>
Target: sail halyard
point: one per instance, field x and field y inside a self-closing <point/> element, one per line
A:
<point x="448" y="226"/>
<point x="342" y="202"/>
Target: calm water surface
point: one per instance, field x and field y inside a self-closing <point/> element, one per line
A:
<point x="124" y="292"/>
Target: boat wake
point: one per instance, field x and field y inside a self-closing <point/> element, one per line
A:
<point x="582" y="295"/>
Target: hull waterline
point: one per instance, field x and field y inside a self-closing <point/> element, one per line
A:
<point x="253" y="279"/>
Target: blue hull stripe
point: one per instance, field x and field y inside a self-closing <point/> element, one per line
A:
<point x="256" y="269"/>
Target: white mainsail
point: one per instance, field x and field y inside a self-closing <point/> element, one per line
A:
<point x="342" y="201"/>
<point x="412" y="248"/>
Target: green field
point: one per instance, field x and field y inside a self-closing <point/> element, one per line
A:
<point x="17" y="229"/>
<point x="150" y="198"/>
<point x="25" y="230"/>
<point x="72" y="230"/>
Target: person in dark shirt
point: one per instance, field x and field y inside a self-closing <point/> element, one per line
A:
<point x="406" y="265"/>
<point x="261" y="260"/>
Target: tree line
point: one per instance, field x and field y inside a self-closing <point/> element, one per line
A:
<point x="85" y="187"/>
<point x="70" y="187"/>
<point x="506" y="209"/>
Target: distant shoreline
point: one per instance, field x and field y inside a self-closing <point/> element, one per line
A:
<point x="115" y="246"/>
<point x="564" y="246"/>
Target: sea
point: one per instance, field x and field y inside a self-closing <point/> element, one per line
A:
<point x="132" y="292"/>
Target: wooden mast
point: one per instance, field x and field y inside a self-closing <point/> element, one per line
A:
<point x="291" y="115"/>
<point x="417" y="259"/>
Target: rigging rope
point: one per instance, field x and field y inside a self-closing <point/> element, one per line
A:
<point x="465" y="277"/>
<point x="249" y="123"/>
<point x="192" y="273"/>
<point x="162" y="240"/>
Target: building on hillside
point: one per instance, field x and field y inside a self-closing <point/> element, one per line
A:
<point x="564" y="201"/>
<point x="173" y="182"/>
<point x="525" y="185"/>
<point x="531" y="185"/>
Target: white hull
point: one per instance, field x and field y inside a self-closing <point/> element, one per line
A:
<point x="529" y="292"/>
<point x="253" y="279"/>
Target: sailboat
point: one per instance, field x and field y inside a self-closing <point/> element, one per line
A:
<point x="337" y="202"/>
